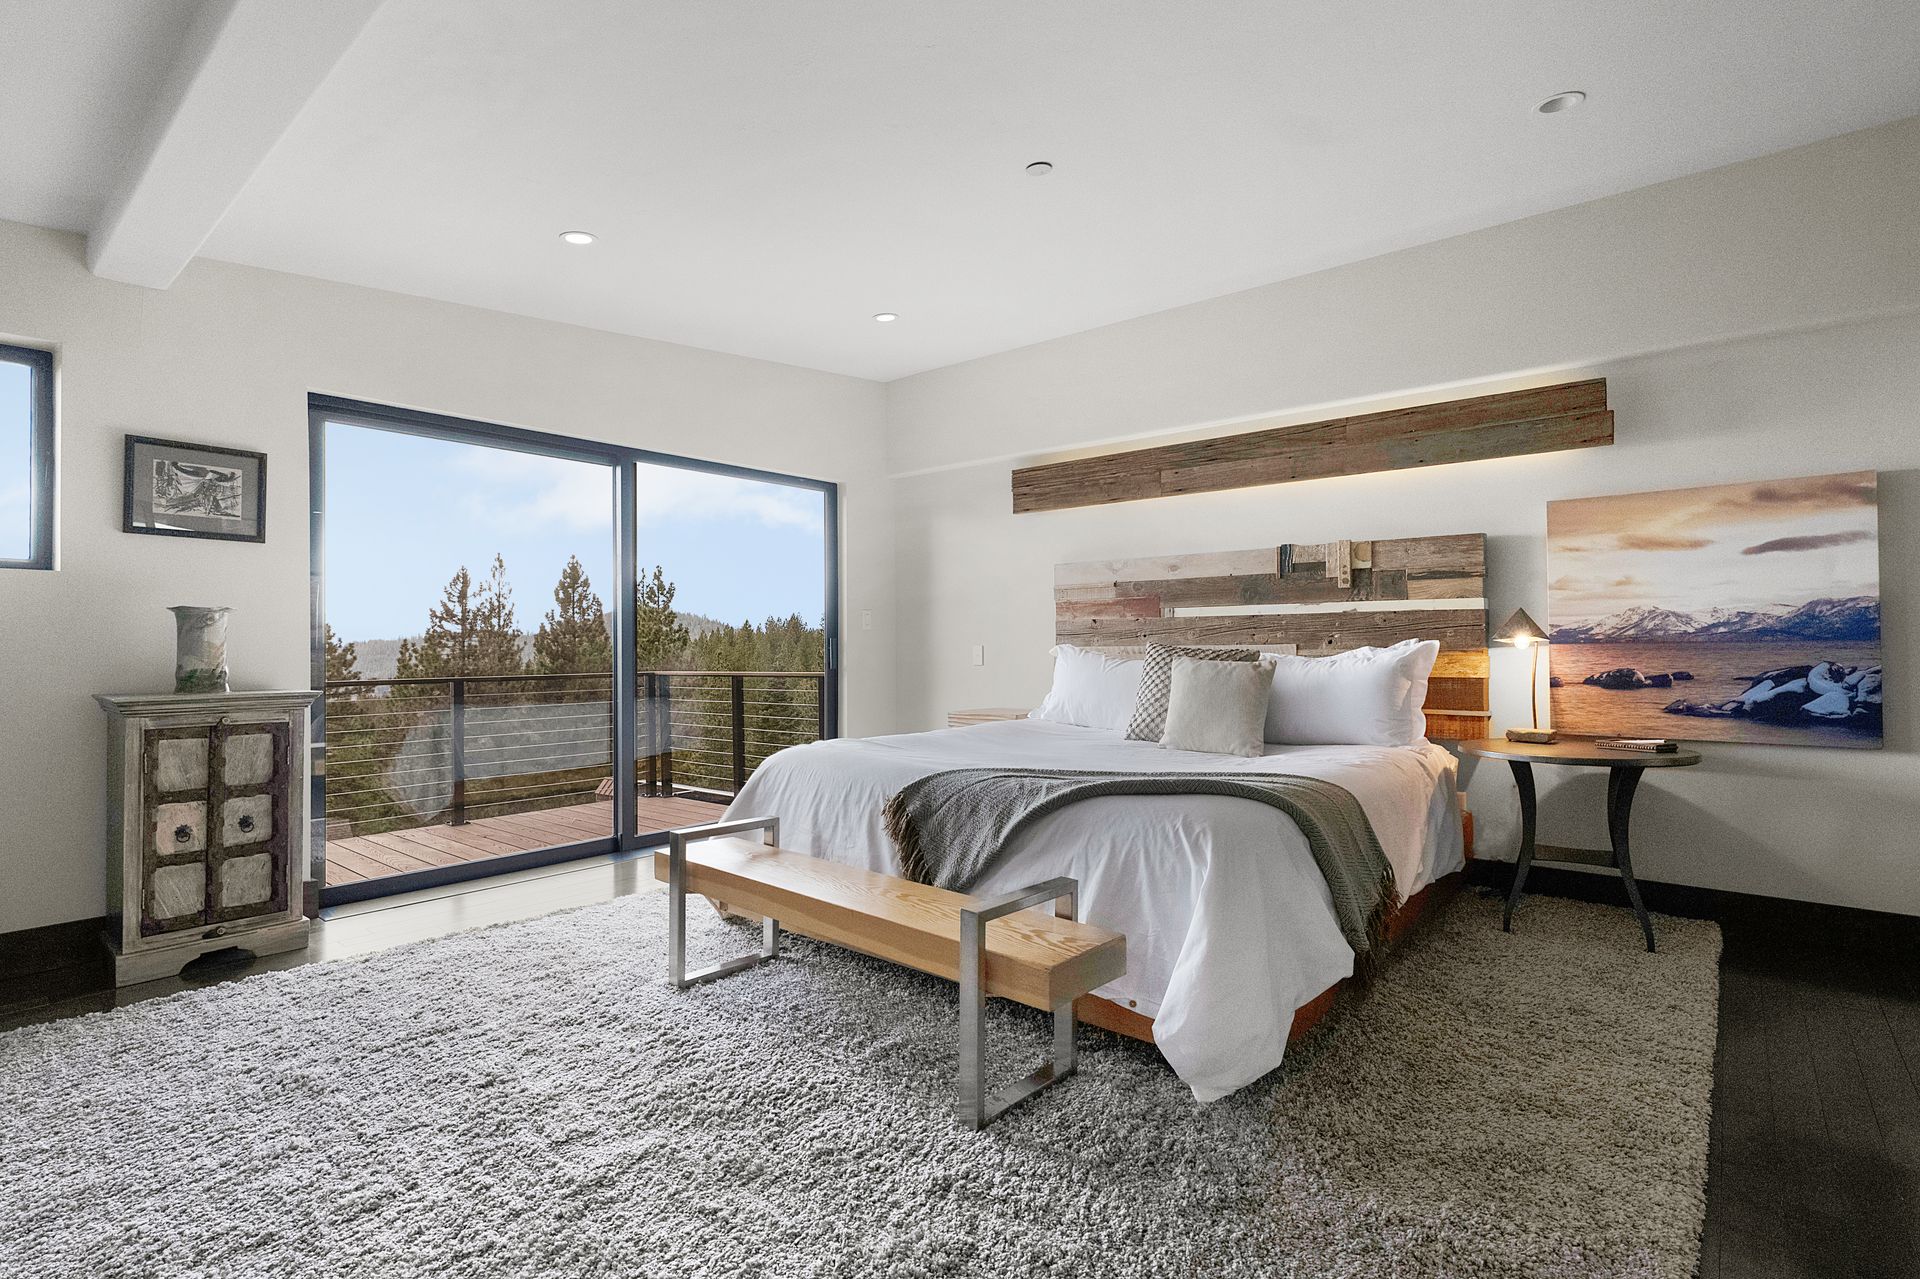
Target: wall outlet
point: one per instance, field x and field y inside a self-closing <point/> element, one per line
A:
<point x="866" y="619"/>
<point x="979" y="654"/>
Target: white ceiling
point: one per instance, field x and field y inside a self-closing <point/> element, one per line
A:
<point x="75" y="81"/>
<point x="765" y="177"/>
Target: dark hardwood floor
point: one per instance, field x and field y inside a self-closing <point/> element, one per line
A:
<point x="1815" y="1164"/>
<point x="1816" y="1117"/>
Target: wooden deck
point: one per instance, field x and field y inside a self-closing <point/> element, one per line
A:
<point x="361" y="857"/>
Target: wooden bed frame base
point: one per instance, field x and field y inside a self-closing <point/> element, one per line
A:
<point x="1107" y="1015"/>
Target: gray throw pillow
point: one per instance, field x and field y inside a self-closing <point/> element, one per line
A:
<point x="1156" y="682"/>
<point x="1218" y="707"/>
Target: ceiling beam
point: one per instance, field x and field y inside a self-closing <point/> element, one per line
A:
<point x="244" y="71"/>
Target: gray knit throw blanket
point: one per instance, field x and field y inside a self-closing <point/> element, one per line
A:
<point x="951" y="828"/>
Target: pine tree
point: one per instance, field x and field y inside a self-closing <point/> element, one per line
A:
<point x="442" y="650"/>
<point x="659" y="640"/>
<point x="470" y="631"/>
<point x="573" y="638"/>
<point x="499" y="648"/>
<point x="341" y="658"/>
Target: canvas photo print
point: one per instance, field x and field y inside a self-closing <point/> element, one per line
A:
<point x="195" y="490"/>
<point x="1734" y="613"/>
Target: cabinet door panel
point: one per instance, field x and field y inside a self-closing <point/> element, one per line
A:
<point x="176" y="772"/>
<point x="180" y="763"/>
<point x="249" y="759"/>
<point x="179" y="828"/>
<point x="244" y="881"/>
<point x="248" y="858"/>
<point x="246" y="819"/>
<point x="177" y="893"/>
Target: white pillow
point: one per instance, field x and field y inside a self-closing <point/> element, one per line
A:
<point x="1365" y="697"/>
<point x="1090" y="689"/>
<point x="1217" y="707"/>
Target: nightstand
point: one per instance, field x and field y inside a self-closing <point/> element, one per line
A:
<point x="984" y="715"/>
<point x="1623" y="777"/>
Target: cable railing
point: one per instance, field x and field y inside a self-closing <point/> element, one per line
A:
<point x="426" y="751"/>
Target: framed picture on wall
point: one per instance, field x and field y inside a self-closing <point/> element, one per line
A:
<point x="175" y="489"/>
<point x="1730" y="613"/>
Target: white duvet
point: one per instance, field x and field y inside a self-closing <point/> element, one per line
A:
<point x="1229" y="924"/>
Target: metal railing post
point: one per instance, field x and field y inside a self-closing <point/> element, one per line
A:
<point x="666" y="735"/>
<point x="739" y="683"/>
<point x="820" y="705"/>
<point x="651" y="684"/>
<point x="458" y="733"/>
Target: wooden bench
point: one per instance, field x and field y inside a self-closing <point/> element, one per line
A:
<point x="1000" y="946"/>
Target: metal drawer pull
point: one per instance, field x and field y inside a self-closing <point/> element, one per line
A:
<point x="246" y="822"/>
<point x="183" y="834"/>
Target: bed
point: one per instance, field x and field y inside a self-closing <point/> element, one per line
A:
<point x="1230" y="926"/>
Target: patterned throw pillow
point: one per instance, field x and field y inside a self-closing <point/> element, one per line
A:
<point x="1156" y="683"/>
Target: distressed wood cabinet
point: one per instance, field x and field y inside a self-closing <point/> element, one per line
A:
<point x="207" y="814"/>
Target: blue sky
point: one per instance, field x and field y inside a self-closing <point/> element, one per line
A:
<point x="16" y="460"/>
<point x="404" y="512"/>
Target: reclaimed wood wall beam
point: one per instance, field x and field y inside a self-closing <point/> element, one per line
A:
<point x="1571" y="415"/>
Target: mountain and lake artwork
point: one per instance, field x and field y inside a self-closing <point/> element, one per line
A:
<point x="1730" y="613"/>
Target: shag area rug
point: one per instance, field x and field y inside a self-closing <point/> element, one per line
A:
<point x="533" y="1100"/>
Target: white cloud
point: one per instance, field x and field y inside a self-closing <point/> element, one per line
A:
<point x="520" y="490"/>
<point x="667" y="494"/>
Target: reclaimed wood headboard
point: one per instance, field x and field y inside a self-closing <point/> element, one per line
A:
<point x="1310" y="598"/>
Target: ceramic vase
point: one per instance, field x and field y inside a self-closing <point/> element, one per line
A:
<point x="200" y="665"/>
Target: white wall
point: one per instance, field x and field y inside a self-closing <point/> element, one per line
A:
<point x="1826" y="237"/>
<point x="228" y="356"/>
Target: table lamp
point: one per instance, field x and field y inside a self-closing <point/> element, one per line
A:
<point x="1522" y="631"/>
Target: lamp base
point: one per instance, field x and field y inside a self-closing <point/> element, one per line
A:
<point x="1537" y="736"/>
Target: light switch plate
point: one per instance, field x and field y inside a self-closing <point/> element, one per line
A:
<point x="979" y="654"/>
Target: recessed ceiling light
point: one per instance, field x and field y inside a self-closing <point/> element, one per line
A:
<point x="1040" y="166"/>
<point x="578" y="237"/>
<point x="1561" y="102"/>
<point x="886" y="317"/>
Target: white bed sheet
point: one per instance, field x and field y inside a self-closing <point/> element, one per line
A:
<point x="1229" y="924"/>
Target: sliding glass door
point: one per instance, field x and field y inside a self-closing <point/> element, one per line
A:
<point x="730" y="626"/>
<point x="535" y="648"/>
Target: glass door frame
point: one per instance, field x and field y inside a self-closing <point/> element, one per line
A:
<point x="622" y="460"/>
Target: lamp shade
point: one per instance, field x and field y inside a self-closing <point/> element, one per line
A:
<point x="1520" y="629"/>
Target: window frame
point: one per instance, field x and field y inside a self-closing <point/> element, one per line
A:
<point x="41" y="449"/>
<point x="626" y="838"/>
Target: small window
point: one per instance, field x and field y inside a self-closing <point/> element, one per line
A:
<point x="26" y="458"/>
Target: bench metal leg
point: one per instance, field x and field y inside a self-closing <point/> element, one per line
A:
<point x="977" y="1109"/>
<point x="677" y="841"/>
